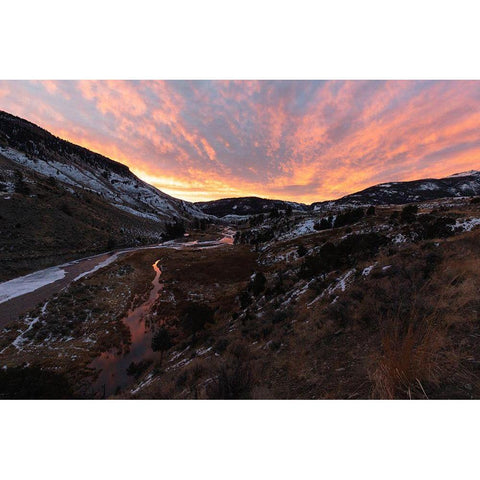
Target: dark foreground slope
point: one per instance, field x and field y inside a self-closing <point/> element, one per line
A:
<point x="384" y="307"/>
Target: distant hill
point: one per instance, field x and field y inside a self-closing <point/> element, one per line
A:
<point x="247" y="206"/>
<point x="466" y="184"/>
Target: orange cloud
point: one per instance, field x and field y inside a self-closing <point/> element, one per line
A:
<point x="298" y="140"/>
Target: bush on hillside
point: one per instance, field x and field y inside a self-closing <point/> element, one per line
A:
<point x="409" y="213"/>
<point x="349" y="217"/>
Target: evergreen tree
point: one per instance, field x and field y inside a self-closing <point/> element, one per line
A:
<point x="161" y="342"/>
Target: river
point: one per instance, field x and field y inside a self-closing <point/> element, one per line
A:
<point x="22" y="294"/>
<point x="112" y="365"/>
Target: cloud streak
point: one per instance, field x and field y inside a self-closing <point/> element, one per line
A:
<point x="298" y="140"/>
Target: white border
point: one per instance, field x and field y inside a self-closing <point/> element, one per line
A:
<point x="217" y="39"/>
<point x="239" y="440"/>
<point x="240" y="40"/>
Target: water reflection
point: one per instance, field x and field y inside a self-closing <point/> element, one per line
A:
<point x="113" y="365"/>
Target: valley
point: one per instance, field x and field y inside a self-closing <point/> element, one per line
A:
<point x="384" y="306"/>
<point x="110" y="288"/>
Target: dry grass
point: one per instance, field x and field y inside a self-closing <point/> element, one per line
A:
<point x="410" y="359"/>
<point x="418" y="348"/>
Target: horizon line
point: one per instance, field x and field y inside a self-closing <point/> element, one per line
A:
<point x="139" y="175"/>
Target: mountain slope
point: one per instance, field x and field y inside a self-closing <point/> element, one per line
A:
<point x="35" y="148"/>
<point x="465" y="184"/>
<point x="59" y="201"/>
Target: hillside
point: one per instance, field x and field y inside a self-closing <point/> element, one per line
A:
<point x="384" y="306"/>
<point x="59" y="201"/>
<point x="247" y="206"/>
<point x="466" y="184"/>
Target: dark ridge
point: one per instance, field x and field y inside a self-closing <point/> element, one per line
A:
<point x="400" y="193"/>
<point x="247" y="206"/>
<point x="31" y="139"/>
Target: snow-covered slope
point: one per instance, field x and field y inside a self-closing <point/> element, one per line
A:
<point x="38" y="150"/>
<point x="466" y="184"/>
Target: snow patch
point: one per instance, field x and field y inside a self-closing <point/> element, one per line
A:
<point x="366" y="271"/>
<point x="466" y="225"/>
<point x="149" y="216"/>
<point x="429" y="186"/>
<point x="29" y="283"/>
<point x="399" y="238"/>
<point x="303" y="228"/>
<point x="106" y="262"/>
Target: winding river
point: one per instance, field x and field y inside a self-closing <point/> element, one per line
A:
<point x="112" y="365"/>
<point x="20" y="295"/>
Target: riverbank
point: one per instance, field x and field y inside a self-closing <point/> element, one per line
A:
<point x="75" y="325"/>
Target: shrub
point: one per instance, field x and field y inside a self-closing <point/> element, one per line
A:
<point x="348" y="217"/>
<point x="245" y="299"/>
<point x="136" y="369"/>
<point x="161" y="341"/>
<point x="438" y="227"/>
<point x="274" y="213"/>
<point x="346" y="253"/>
<point x="409" y="213"/>
<point x="52" y="181"/>
<point x="221" y="345"/>
<point x="257" y="283"/>
<point x="432" y="260"/>
<point x="174" y="230"/>
<point x="280" y="316"/>
<point x="324" y="224"/>
<point x="19" y="184"/>
<point x="323" y="262"/>
<point x="410" y="359"/>
<point x="65" y="208"/>
<point x="360" y="247"/>
<point x="111" y="244"/>
<point x="194" y="317"/>
<point x="301" y="250"/>
<point x="234" y="378"/>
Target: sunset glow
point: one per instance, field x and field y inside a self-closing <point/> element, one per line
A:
<point x="304" y="141"/>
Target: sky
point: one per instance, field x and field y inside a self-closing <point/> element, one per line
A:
<point x="303" y="141"/>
